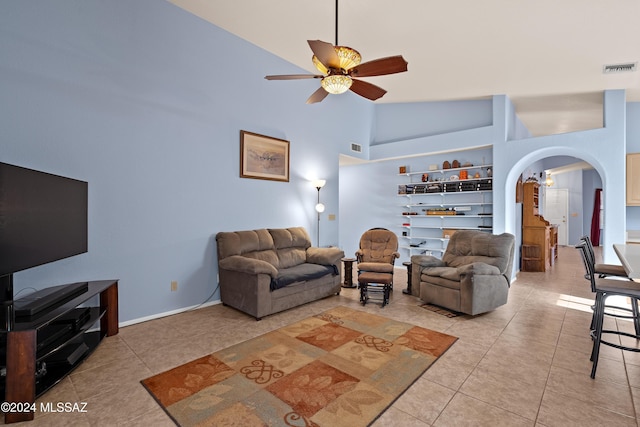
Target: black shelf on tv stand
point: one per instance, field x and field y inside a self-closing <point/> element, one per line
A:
<point x="59" y="338"/>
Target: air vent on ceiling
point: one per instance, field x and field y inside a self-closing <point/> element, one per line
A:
<point x="356" y="147"/>
<point x="620" y="68"/>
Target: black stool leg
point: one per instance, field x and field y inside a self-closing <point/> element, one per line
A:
<point x="597" y="333"/>
<point x="636" y="319"/>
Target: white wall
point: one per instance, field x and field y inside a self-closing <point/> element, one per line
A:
<point x="604" y="148"/>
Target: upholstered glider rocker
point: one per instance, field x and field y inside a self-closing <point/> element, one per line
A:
<point x="377" y="253"/>
<point x="473" y="276"/>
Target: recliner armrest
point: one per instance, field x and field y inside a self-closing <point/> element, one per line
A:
<point x="324" y="256"/>
<point x="248" y="265"/>
<point x="479" y="268"/>
<point x="427" y="261"/>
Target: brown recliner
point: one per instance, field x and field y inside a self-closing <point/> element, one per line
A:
<point x="473" y="275"/>
<point x="376" y="256"/>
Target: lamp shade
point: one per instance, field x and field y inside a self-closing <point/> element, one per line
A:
<point x="319" y="208"/>
<point x="319" y="183"/>
<point x="347" y="57"/>
<point x="336" y="84"/>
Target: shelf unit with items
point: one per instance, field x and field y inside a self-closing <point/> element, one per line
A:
<point x="442" y="203"/>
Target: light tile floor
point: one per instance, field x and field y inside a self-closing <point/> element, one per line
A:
<point x="524" y="364"/>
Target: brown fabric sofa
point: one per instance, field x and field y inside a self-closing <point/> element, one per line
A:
<point x="265" y="271"/>
<point x="473" y="275"/>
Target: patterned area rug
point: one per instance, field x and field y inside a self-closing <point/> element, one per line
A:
<point x="440" y="310"/>
<point x="343" y="367"/>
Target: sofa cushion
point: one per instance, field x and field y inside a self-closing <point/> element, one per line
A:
<point x="290" y="237"/>
<point x="300" y="273"/>
<point x="241" y="242"/>
<point x="268" y="256"/>
<point x="378" y="245"/>
<point x="468" y="246"/>
<point x="291" y="245"/>
<point x="290" y="257"/>
<point x="450" y="273"/>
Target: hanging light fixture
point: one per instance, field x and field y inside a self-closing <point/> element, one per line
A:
<point x="340" y="70"/>
<point x="338" y="81"/>
<point x="548" y="182"/>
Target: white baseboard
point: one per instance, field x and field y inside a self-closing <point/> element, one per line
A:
<point x="167" y="313"/>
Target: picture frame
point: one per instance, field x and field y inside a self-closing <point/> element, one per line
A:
<point x="263" y="157"/>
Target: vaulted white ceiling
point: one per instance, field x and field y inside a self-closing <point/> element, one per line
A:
<point x="547" y="56"/>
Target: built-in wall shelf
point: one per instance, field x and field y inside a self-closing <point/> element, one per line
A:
<point x="437" y="202"/>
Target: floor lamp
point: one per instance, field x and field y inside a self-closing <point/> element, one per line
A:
<point x="319" y="183"/>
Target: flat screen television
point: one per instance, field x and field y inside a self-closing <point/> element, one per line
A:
<point x="43" y="218"/>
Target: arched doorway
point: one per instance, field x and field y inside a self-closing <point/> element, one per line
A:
<point x="613" y="219"/>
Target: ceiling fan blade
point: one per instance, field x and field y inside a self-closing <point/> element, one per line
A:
<point x="325" y="53"/>
<point x="380" y="67"/>
<point x="293" y="77"/>
<point x="317" y="96"/>
<point x="367" y="90"/>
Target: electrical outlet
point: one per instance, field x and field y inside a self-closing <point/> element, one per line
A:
<point x="174" y="285"/>
<point x="332" y="217"/>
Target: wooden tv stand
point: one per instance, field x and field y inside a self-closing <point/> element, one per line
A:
<point x="26" y="352"/>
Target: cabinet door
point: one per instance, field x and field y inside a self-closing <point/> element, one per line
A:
<point x="633" y="179"/>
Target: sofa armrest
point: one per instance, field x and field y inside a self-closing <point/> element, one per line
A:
<point x="324" y="256"/>
<point x="426" y="261"/>
<point x="479" y="268"/>
<point x="248" y="265"/>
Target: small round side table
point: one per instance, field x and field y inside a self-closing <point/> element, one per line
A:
<point x="348" y="272"/>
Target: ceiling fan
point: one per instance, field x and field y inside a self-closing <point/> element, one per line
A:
<point x="339" y="65"/>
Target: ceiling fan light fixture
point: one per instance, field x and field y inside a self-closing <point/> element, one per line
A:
<point x="349" y="58"/>
<point x="319" y="65"/>
<point x="336" y="83"/>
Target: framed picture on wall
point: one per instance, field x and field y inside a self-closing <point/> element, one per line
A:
<point x="263" y="157"/>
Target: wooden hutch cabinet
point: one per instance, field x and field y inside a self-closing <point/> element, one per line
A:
<point x="539" y="238"/>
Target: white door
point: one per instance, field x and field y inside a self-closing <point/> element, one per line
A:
<point x="556" y="211"/>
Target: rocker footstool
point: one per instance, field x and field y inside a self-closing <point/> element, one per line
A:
<point x="374" y="283"/>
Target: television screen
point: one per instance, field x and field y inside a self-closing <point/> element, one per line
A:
<point x="43" y="218"/>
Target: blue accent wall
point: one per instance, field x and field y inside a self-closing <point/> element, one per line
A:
<point x="146" y="102"/>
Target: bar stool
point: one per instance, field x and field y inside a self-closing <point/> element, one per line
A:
<point x="605" y="288"/>
<point x="602" y="270"/>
